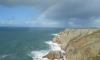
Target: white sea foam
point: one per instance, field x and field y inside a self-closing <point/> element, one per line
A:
<point x="3" y="56"/>
<point x="37" y="55"/>
<point x="53" y="46"/>
<point x="54" y="34"/>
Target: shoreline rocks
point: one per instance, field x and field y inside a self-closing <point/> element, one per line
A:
<point x="54" y="55"/>
<point x="78" y="44"/>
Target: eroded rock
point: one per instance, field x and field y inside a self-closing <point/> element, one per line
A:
<point x="54" y="55"/>
<point x="80" y="44"/>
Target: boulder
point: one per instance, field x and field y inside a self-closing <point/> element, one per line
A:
<point x="54" y="55"/>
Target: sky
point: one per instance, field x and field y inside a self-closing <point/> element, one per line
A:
<point x="50" y="13"/>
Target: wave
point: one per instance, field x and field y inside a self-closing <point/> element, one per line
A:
<point x="53" y="46"/>
<point x="37" y="55"/>
<point x="3" y="56"/>
<point x="54" y="34"/>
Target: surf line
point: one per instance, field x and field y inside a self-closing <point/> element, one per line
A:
<point x="55" y="52"/>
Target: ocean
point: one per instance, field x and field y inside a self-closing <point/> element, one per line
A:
<point x="25" y="43"/>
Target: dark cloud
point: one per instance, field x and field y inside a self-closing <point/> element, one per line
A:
<point x="75" y="9"/>
<point x="63" y="10"/>
<point x="40" y="4"/>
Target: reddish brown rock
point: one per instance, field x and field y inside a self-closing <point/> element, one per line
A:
<point x="54" y="55"/>
<point x="79" y="44"/>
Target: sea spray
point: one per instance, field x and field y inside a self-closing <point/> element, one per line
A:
<point x="38" y="55"/>
<point x="53" y="46"/>
<point x="54" y="34"/>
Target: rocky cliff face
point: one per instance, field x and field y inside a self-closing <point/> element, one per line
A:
<point x="79" y="44"/>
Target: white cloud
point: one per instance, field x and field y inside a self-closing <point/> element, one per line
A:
<point x="71" y="23"/>
<point x="95" y="22"/>
<point x="47" y="23"/>
<point x="7" y="22"/>
<point x="31" y="23"/>
<point x="61" y="10"/>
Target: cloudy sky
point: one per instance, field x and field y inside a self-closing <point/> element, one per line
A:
<point x="50" y="13"/>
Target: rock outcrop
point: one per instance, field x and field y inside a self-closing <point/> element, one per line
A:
<point x="54" y="55"/>
<point x="80" y="44"/>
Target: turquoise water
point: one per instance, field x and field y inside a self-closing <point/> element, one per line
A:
<point x="18" y="43"/>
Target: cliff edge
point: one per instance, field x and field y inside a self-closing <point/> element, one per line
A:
<point x="79" y="44"/>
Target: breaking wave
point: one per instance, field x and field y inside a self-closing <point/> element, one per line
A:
<point x="54" y="34"/>
<point x="53" y="46"/>
<point x="37" y="55"/>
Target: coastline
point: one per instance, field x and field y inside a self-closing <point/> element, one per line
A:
<point x="75" y="41"/>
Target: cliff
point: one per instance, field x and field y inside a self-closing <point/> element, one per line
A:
<point x="79" y="44"/>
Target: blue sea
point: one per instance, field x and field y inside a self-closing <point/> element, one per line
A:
<point x="25" y="43"/>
